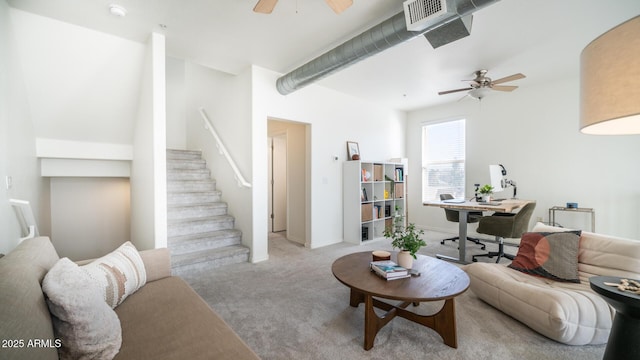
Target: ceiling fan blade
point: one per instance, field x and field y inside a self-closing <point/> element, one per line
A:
<point x="339" y="6"/>
<point x="265" y="6"/>
<point x="509" y="78"/>
<point x="503" y="88"/>
<point x="452" y="91"/>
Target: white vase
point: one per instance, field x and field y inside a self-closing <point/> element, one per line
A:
<point x="405" y="259"/>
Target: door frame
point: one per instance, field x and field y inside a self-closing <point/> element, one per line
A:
<point x="276" y="224"/>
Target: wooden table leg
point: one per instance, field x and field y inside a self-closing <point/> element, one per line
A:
<point x="373" y="323"/>
<point x="445" y="323"/>
<point x="356" y="298"/>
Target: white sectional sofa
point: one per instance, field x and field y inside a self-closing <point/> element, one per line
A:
<point x="569" y="313"/>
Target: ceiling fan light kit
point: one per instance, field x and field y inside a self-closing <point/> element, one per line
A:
<point x="479" y="93"/>
<point x="609" y="73"/>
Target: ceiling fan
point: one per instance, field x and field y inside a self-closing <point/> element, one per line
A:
<point x="266" y="6"/>
<point x="482" y="85"/>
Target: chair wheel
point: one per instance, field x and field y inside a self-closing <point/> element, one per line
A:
<point x="442" y="242"/>
<point x="483" y="247"/>
<point x="474" y="259"/>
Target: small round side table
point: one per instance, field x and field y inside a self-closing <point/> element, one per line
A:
<point x="625" y="330"/>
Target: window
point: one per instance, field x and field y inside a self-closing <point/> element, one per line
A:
<point x="443" y="157"/>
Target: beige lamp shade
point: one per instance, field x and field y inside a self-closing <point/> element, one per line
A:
<point x="610" y="82"/>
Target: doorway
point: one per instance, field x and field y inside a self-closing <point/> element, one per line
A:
<point x="288" y="185"/>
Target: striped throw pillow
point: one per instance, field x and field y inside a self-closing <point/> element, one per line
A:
<point x="119" y="274"/>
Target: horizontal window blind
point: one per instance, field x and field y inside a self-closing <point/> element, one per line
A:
<point x="443" y="160"/>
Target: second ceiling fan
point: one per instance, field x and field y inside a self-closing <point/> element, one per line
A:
<point x="266" y="6"/>
<point x="482" y="84"/>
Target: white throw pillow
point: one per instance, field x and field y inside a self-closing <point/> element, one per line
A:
<point x="86" y="325"/>
<point x="119" y="274"/>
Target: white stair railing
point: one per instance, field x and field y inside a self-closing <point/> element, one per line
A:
<point x="223" y="150"/>
<point x="25" y="218"/>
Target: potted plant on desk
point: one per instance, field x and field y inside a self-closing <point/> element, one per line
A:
<point x="406" y="239"/>
<point x="485" y="193"/>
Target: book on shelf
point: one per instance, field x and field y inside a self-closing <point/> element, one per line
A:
<point x="399" y="174"/>
<point x="378" y="212"/>
<point x="389" y="270"/>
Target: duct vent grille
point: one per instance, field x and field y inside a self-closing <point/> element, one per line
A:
<point x="420" y="14"/>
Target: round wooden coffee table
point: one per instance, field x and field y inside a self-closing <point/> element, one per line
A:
<point x="439" y="280"/>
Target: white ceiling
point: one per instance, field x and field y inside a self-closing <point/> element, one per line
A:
<point x="542" y="39"/>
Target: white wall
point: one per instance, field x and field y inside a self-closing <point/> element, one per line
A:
<point x="17" y="141"/>
<point x="81" y="84"/>
<point x="148" y="169"/>
<point x="335" y="118"/>
<point x="78" y="236"/>
<point x="533" y="132"/>
<point x="176" y="105"/>
<point x="226" y="100"/>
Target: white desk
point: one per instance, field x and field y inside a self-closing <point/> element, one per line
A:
<point x="464" y="208"/>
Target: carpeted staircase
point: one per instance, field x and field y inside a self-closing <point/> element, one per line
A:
<point x="201" y="235"/>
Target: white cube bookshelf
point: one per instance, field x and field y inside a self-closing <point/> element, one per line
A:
<point x="373" y="195"/>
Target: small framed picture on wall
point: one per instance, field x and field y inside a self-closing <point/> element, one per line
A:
<point x="353" y="151"/>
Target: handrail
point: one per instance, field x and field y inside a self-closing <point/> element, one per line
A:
<point x="223" y="150"/>
<point x="25" y="218"/>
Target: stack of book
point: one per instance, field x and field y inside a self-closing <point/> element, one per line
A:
<point x="389" y="270"/>
<point x="399" y="175"/>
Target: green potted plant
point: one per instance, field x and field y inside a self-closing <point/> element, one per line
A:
<point x="407" y="239"/>
<point x="486" y="192"/>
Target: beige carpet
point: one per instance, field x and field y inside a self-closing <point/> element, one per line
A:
<point x="291" y="307"/>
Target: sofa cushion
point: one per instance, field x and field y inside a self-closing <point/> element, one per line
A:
<point x="119" y="273"/>
<point x="553" y="255"/>
<point x="24" y="312"/>
<point x="87" y="326"/>
<point x="167" y="319"/>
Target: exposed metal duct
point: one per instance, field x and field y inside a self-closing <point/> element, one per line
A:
<point x="385" y="35"/>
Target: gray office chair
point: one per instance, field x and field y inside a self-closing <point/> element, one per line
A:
<point x="502" y="226"/>
<point x="454" y="216"/>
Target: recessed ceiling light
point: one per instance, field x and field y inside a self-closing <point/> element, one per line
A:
<point x="117" y="10"/>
